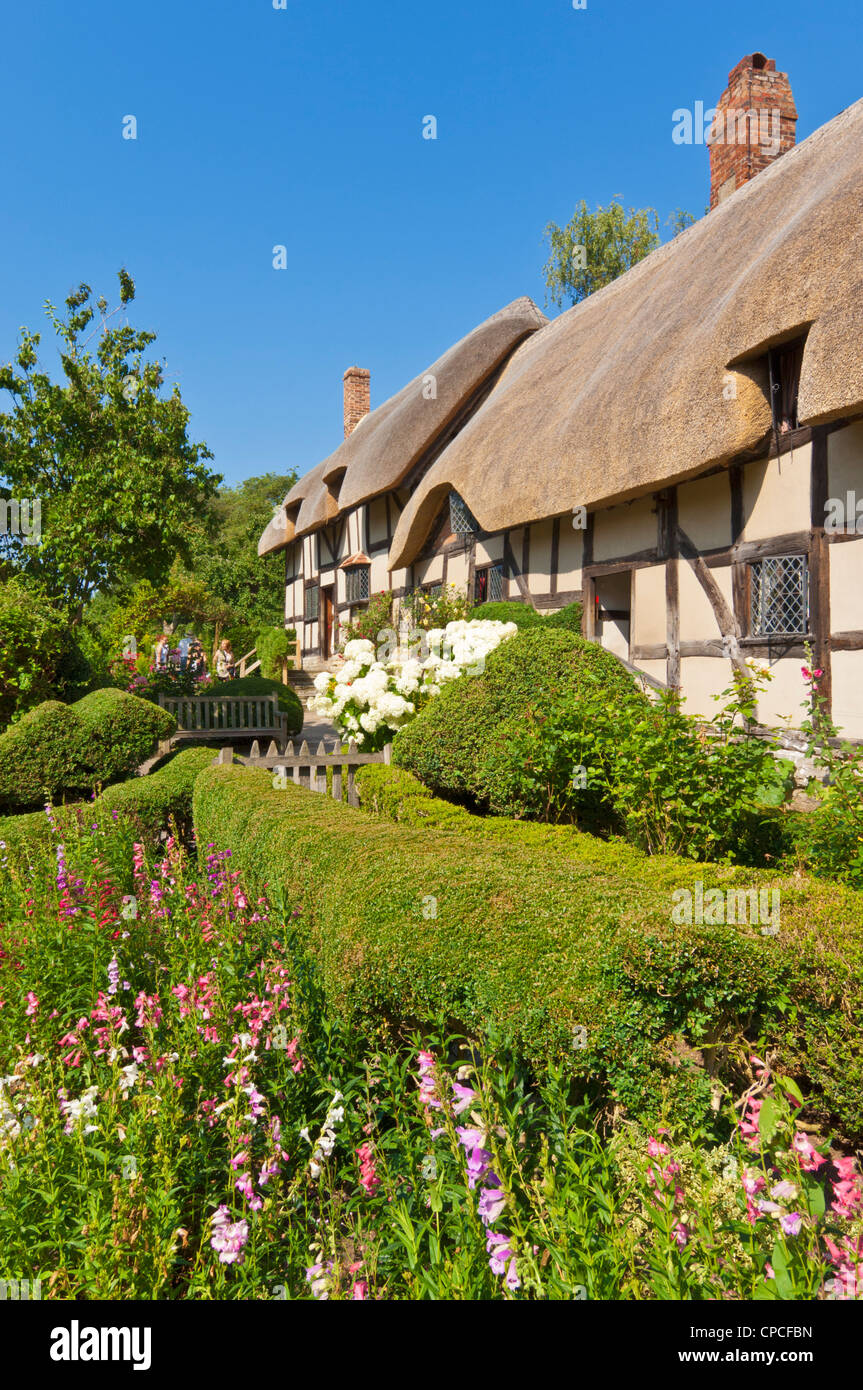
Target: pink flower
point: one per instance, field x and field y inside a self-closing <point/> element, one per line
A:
<point x="810" y="1159"/>
<point x="360" y="1291"/>
<point x="657" y="1150"/>
<point x="464" y="1098"/>
<point x="228" y="1238"/>
<point x="753" y="1183"/>
<point x="32" y="1004"/>
<point x="368" y="1177"/>
<point x="681" y="1234"/>
<point x="791" y="1223"/>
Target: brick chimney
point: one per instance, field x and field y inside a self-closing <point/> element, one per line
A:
<point x="754" y="124"/>
<point x="357" y="397"/>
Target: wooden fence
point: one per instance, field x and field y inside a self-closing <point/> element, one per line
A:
<point x="309" y="769"/>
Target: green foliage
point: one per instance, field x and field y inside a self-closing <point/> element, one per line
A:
<point x="57" y="750"/>
<point x="150" y="804"/>
<point x="429" y="611"/>
<point x="43" y="756"/>
<point x="367" y="622"/>
<point x="595" y="248"/>
<point x="39" y="657"/>
<point x="522" y="614"/>
<point x="106" y="453"/>
<point x="122" y="731"/>
<point x="289" y="701"/>
<point x="275" y="646"/>
<point x="569" y="617"/>
<point x="542" y="935"/>
<point x="462" y="743"/>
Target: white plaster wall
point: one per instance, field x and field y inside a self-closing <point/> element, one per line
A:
<point x="623" y="530"/>
<point x="847" y="674"/>
<point x="570" y="553"/>
<point x="845" y="461"/>
<point x="776" y="495"/>
<point x="846" y="586"/>
<point x="697" y="619"/>
<point x="704" y="511"/>
<point x="649" y="608"/>
<point x="780" y="704"/>
<point x="702" y="677"/>
<point x="539" y="556"/>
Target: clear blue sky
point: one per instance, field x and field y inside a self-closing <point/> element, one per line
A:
<point x="303" y="127"/>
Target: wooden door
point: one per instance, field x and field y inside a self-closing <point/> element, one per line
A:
<point x="326" y="621"/>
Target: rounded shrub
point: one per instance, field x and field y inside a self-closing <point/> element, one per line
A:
<point x="122" y="731"/>
<point x="275" y="646"/>
<point x="461" y="744"/>
<point x="519" y="613"/>
<point x="44" y="755"/>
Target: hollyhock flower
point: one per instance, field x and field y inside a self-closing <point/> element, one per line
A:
<point x="791" y="1223"/>
<point x="491" y="1200"/>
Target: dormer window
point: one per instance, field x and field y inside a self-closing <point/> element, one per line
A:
<point x="783" y="368"/>
<point x="461" y="519"/>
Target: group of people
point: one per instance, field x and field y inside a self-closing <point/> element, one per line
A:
<point x="188" y="655"/>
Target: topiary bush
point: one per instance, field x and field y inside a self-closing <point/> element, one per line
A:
<point x="46" y="754"/>
<point x="460" y="745"/>
<point x="519" y="613"/>
<point x="289" y="700"/>
<point x="122" y="731"/>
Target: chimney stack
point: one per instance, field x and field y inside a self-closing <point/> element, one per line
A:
<point x="754" y="124"/>
<point x="357" y="397"/>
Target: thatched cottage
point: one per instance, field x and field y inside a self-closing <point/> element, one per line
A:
<point x="683" y="450"/>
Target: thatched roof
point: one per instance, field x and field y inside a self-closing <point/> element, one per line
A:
<point x="386" y="444"/>
<point x="624" y="393"/>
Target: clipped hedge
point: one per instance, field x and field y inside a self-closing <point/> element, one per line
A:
<point x="460" y="743"/>
<point x="123" y="731"/>
<point x="568" y="617"/>
<point x="539" y="937"/>
<point x="522" y="614"/>
<point x="289" y="701"/>
<point x="150" y="803"/>
<point x="45" y="753"/>
<point x="60" y="750"/>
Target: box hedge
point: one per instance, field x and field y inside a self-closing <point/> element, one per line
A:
<point x="150" y="803"/>
<point x="548" y="933"/>
<point x="522" y="614"/>
<point x="61" y="750"/>
<point x="460" y="743"/>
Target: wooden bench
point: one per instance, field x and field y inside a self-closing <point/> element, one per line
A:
<point x="209" y="718"/>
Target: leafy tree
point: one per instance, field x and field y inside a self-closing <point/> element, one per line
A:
<point x="105" y="452"/>
<point x="39" y="658"/>
<point x="595" y="248"/>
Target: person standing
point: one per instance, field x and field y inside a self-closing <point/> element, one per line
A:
<point x="224" y="661"/>
<point x="186" y="642"/>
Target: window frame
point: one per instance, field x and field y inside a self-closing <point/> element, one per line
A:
<point x="486" y="570"/>
<point x="754" y="570"/>
<point x="353" y="574"/>
<point x="308" y="591"/>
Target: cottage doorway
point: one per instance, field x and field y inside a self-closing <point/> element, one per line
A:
<point x="613" y="618"/>
<point x="326" y="621"/>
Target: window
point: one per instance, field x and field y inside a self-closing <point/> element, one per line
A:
<point x="488" y="584"/>
<point x="312" y="595"/>
<point x="357" y="583"/>
<point x="432" y="590"/>
<point x="783" y="366"/>
<point x="460" y="519"/>
<point x="779" y="596"/>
